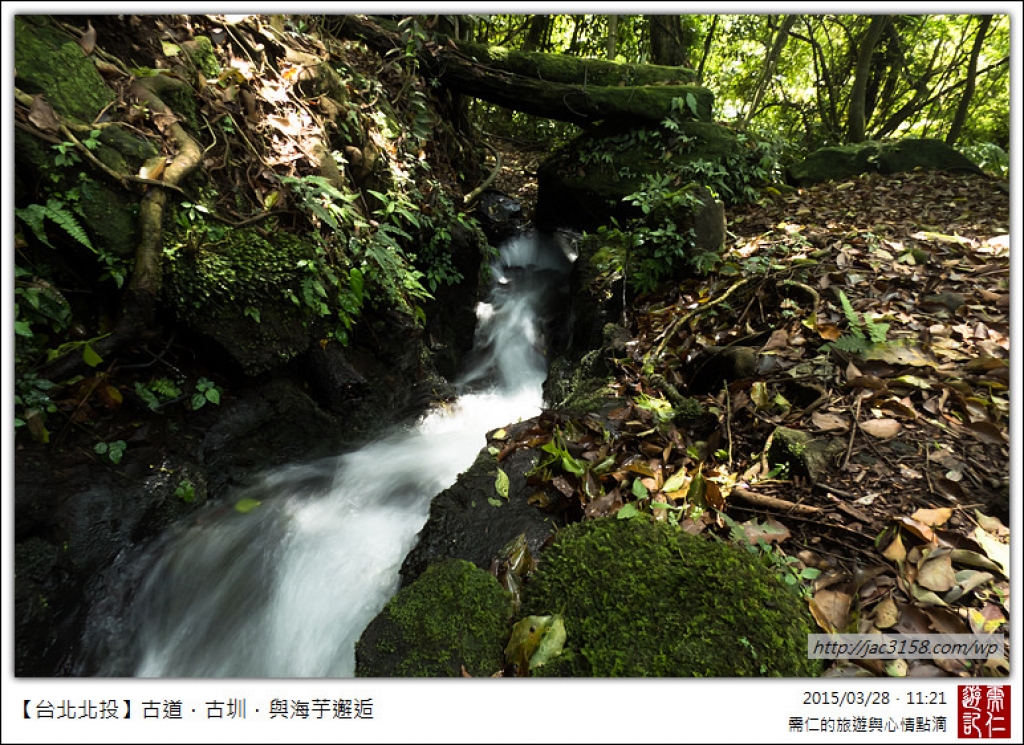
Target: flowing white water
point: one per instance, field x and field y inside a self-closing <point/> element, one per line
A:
<point x="286" y="589"/>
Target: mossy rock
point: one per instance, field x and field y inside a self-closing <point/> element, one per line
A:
<point x="584" y="183"/>
<point x="845" y="161"/>
<point x="48" y="61"/>
<point x="245" y="291"/>
<point x="647" y="599"/>
<point x="806" y="456"/>
<point x="455" y="615"/>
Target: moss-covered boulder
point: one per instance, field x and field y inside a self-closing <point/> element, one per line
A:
<point x="844" y="161"/>
<point x="455" y="615"/>
<point x="245" y="291"/>
<point x="49" y="61"/>
<point x="583" y="184"/>
<point x="647" y="599"/>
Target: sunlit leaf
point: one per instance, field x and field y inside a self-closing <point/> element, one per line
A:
<point x="501" y="484"/>
<point x="247" y="504"/>
<point x="675" y="482"/>
<point x="883" y="429"/>
<point x="933" y="517"/>
<point x="998" y="552"/>
<point x="90" y="357"/>
<point x="551" y="643"/>
<point x="628" y="510"/>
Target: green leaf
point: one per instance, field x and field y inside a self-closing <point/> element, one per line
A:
<point x="551" y="643"/>
<point x="247" y="504"/>
<point x="355" y="280"/>
<point x="501" y="484"/>
<point x="639" y="490"/>
<point x="90" y="357"/>
<point x="186" y="491"/>
<point x="691" y="101"/>
<point x="212" y="395"/>
<point x="628" y="510"/>
<point x="494" y="502"/>
<point x="198" y="401"/>
<point x="674" y="482"/>
<point x="525" y="638"/>
<point x="21" y="328"/>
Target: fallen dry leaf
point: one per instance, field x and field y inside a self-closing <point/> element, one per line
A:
<point x="935" y="517"/>
<point x="883" y="429"/>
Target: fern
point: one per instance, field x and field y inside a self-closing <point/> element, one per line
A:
<point x="36" y="214"/>
<point x="853" y="318"/>
<point x="857" y="340"/>
<point x="878" y="332"/>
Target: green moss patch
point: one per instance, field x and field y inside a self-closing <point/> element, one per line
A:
<point x="647" y="599"/>
<point x="454" y="615"/>
<point x="49" y="62"/>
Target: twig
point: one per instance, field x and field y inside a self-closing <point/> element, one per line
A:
<point x="928" y="468"/>
<point x="473" y="195"/>
<point x="839" y="492"/>
<point x="853" y="434"/>
<point x="670" y="330"/>
<point x="728" y="420"/>
<point x="762" y="500"/>
<point x="121" y="178"/>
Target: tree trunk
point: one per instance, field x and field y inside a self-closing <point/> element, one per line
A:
<point x="613" y="37"/>
<point x="856" y="113"/>
<point x="670" y="41"/>
<point x="769" y="66"/>
<point x="537" y="33"/>
<point x="707" y="50"/>
<point x="554" y="86"/>
<point x="137" y="310"/>
<point x="972" y="74"/>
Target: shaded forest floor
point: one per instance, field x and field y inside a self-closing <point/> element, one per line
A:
<point x="872" y="316"/>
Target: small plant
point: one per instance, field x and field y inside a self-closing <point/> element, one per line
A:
<point x="186" y="491"/>
<point x="113" y="451"/>
<point x="206" y="390"/>
<point x="864" y="332"/>
<point x="157" y="393"/>
<point x="56" y="211"/>
<point x="787" y="567"/>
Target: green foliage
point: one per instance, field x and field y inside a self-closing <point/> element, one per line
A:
<point x="864" y="332"/>
<point x="157" y="393"/>
<point x="32" y="399"/>
<point x="112" y="451"/>
<point x="206" y="391"/>
<point x="34" y="215"/>
<point x="186" y="491"/>
<point x="786" y="567"/>
<point x="62" y="185"/>
<point x="371" y="250"/>
<point x="989" y="157"/>
<point x="37" y="303"/>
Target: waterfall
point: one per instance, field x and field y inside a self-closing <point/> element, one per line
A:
<point x="286" y="588"/>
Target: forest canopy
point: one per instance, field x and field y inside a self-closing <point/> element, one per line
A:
<point x="807" y="80"/>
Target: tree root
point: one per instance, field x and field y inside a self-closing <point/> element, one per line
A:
<point x="138" y="302"/>
<point x="468" y="200"/>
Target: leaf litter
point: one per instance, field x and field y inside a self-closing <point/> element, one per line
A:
<point x="871" y="315"/>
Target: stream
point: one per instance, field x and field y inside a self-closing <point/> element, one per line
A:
<point x="283" y="583"/>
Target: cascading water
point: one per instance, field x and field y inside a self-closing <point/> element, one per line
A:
<point x="286" y="589"/>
